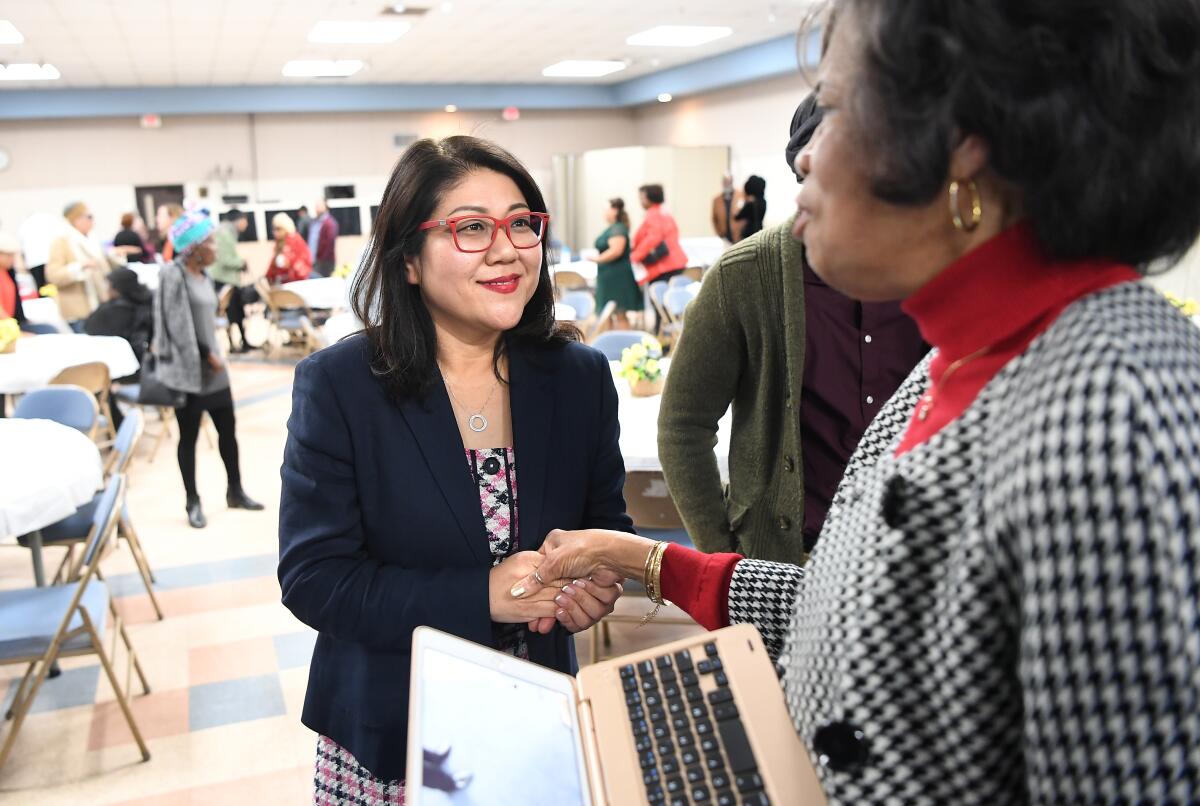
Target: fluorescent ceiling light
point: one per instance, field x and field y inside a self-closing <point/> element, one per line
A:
<point x="29" y="72"/>
<point x="582" y="68"/>
<point x="451" y="108"/>
<point x="9" y="35"/>
<point x="664" y="97"/>
<point x="322" y="68"/>
<point x="361" y="32"/>
<point x="679" y="36"/>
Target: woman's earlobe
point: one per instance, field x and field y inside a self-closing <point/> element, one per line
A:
<point x="412" y="270"/>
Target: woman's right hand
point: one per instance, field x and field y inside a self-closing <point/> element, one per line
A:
<point x="506" y="608"/>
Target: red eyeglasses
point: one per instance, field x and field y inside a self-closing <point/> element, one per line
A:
<point x="477" y="233"/>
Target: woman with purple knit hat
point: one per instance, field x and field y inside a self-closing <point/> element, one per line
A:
<point x="190" y="360"/>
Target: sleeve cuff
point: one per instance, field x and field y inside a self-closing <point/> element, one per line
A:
<point x="698" y="584"/>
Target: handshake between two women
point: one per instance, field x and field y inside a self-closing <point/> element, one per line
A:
<point x="574" y="579"/>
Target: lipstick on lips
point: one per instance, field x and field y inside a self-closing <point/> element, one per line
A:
<point x="502" y="285"/>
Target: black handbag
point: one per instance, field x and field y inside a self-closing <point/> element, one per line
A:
<point x="656" y="254"/>
<point x="152" y="391"/>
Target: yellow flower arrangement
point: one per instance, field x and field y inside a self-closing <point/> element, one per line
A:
<point x="1188" y="307"/>
<point x="10" y="331"/>
<point x="342" y="271"/>
<point x="639" y="362"/>
<point x="49" y="290"/>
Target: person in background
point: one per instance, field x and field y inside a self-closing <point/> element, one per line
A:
<point x="322" y="240"/>
<point x="190" y="360"/>
<point x="291" y="261"/>
<point x="129" y="243"/>
<point x="754" y="209"/>
<point x="614" y="279"/>
<point x="407" y="445"/>
<point x="657" y="239"/>
<point x="128" y="313"/>
<point x="77" y="265"/>
<point x="227" y="270"/>
<point x="725" y="207"/>
<point x="1004" y="605"/>
<point x="805" y="369"/>
<point x="10" y="295"/>
<point x="303" y="222"/>
<point x="163" y="218"/>
<point x="37" y="232"/>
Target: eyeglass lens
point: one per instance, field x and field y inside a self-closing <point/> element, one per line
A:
<point x="477" y="234"/>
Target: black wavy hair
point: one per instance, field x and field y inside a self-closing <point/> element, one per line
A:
<point x="1090" y="108"/>
<point x="397" y="322"/>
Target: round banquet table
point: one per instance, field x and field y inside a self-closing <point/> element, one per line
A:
<point x="53" y="471"/>
<point x="39" y="358"/>
<point x="639" y="427"/>
<point x="323" y="293"/>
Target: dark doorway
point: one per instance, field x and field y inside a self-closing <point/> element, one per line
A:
<point x="151" y="197"/>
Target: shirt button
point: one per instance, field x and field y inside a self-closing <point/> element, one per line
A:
<point x="789" y="464"/>
<point x="867" y="339"/>
<point x="841" y="747"/>
<point x="784" y="523"/>
<point x="870" y="400"/>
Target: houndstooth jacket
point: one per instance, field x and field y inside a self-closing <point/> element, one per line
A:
<point x="1010" y="612"/>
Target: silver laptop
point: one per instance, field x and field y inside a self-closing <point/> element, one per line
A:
<point x="701" y="720"/>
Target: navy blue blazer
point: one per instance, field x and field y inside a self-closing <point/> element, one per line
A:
<point x="380" y="528"/>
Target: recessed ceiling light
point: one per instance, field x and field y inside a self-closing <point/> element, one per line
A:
<point x="664" y="97"/>
<point x="679" y="36"/>
<point x="29" y="72"/>
<point x="451" y="108"/>
<point x="358" y="32"/>
<point x="322" y="68"/>
<point x="582" y="68"/>
<point x="9" y="35"/>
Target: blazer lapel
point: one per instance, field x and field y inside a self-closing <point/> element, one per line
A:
<point x="532" y="407"/>
<point x="432" y="424"/>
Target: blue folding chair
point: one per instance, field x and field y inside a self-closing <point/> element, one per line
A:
<point x="676" y="301"/>
<point x="582" y="301"/>
<point x="72" y="406"/>
<point x="613" y="342"/>
<point x="40" y="625"/>
<point x="74" y="529"/>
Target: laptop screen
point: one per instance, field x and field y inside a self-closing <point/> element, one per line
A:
<point x="489" y="737"/>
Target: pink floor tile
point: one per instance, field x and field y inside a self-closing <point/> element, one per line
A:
<point x="284" y="786"/>
<point x="158" y="714"/>
<point x="249" y="658"/>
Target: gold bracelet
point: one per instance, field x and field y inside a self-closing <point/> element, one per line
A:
<point x="652" y="581"/>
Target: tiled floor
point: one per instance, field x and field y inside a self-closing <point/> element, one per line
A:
<point x="227" y="667"/>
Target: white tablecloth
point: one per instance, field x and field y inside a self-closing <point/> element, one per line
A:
<point x="564" y="312"/>
<point x="147" y="273"/>
<point x="341" y="325"/>
<point x="702" y="251"/>
<point x="39" y="358"/>
<point x="51" y="471"/>
<point x="639" y="427"/>
<point x="44" y="311"/>
<point x="587" y="269"/>
<point x="325" y="293"/>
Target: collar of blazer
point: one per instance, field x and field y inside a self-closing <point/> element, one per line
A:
<point x="436" y="432"/>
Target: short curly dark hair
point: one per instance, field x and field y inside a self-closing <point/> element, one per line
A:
<point x="1091" y="109"/>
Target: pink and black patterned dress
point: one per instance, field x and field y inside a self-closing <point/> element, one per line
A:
<point x="339" y="779"/>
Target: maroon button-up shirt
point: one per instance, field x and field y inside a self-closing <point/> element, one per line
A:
<point x="856" y="356"/>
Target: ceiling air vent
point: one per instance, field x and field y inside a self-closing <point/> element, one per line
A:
<point x="404" y="10"/>
<point x="404" y="140"/>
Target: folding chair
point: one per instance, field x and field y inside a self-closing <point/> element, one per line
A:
<point x="693" y="273"/>
<point x="613" y="342"/>
<point x="40" y="625"/>
<point x="679" y="280"/>
<point x="73" y="529"/>
<point x="667" y="326"/>
<point x="676" y="301"/>
<point x="606" y="313"/>
<point x="289" y="314"/>
<point x="654" y="515"/>
<point x="95" y="378"/>
<point x="567" y="280"/>
<point x="71" y="406"/>
<point x="583" y="302"/>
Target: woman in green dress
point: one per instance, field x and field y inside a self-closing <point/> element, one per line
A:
<point x="614" y="280"/>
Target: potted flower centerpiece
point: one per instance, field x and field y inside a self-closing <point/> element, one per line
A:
<point x="10" y="331"/>
<point x="639" y="366"/>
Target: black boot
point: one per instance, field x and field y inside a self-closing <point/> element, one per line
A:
<point x="195" y="514"/>
<point x="236" y="498"/>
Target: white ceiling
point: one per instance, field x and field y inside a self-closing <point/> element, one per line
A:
<point x="132" y="43"/>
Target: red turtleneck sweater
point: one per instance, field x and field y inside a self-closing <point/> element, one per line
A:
<point x="994" y="300"/>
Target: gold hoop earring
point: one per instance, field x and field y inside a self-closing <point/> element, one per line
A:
<point x="976" y="207"/>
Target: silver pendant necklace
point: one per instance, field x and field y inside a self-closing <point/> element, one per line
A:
<point x="476" y="422"/>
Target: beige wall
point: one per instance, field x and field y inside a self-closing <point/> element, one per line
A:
<point x="752" y="120"/>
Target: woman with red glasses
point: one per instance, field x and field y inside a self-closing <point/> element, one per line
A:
<point x="428" y="457"/>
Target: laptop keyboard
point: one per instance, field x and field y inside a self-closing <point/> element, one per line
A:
<point x="690" y="740"/>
